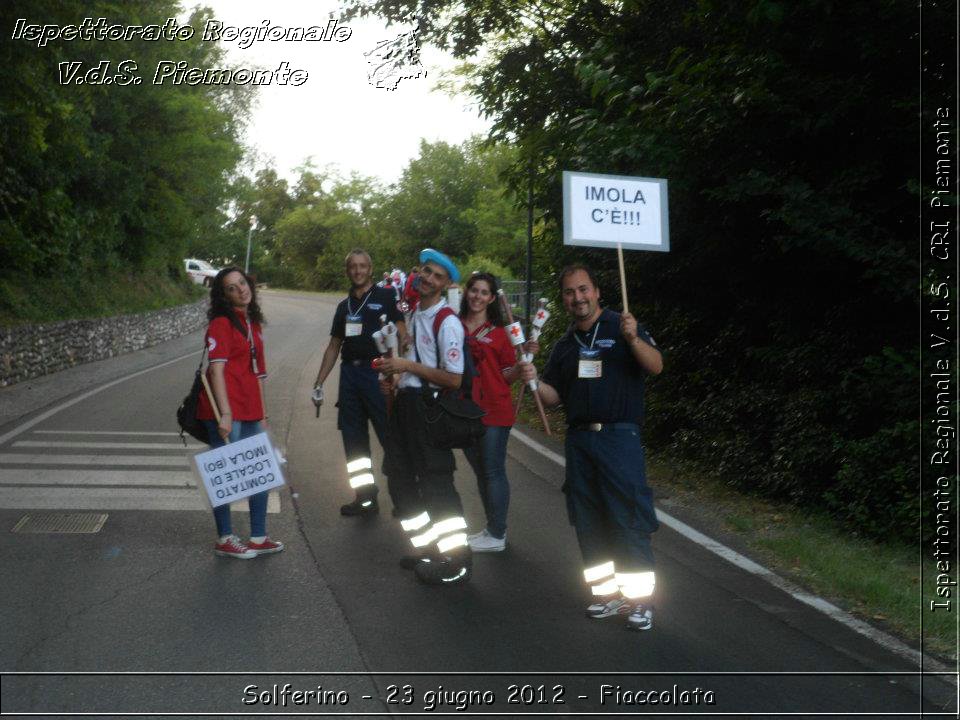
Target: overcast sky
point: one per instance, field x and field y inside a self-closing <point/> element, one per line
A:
<point x="336" y="116"/>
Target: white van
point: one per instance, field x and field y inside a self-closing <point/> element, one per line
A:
<point x="200" y="271"/>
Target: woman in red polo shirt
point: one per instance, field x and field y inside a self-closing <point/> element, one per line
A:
<point x="236" y="372"/>
<point x="495" y="361"/>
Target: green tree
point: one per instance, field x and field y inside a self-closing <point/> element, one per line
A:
<point x="788" y="303"/>
<point x="105" y="178"/>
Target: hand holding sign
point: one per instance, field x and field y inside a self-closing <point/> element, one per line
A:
<point x="628" y="326"/>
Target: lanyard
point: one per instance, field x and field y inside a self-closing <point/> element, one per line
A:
<point x="253" y="348"/>
<point x="350" y="310"/>
<point x="581" y="343"/>
<point x="482" y="331"/>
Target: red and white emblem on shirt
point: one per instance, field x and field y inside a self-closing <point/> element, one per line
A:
<point x="540" y="315"/>
<point x="211" y="344"/>
<point x="453" y="354"/>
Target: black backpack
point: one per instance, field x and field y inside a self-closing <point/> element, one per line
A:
<point x="187" y="412"/>
<point x="453" y="419"/>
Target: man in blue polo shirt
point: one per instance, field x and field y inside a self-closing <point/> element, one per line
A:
<point x="597" y="371"/>
<point x="356" y="319"/>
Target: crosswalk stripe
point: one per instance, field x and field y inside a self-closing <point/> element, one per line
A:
<point x="66" y="478"/>
<point x="109" y="445"/>
<point x="98" y="498"/>
<point x="102" y="459"/>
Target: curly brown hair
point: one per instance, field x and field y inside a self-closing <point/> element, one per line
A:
<point x="219" y="304"/>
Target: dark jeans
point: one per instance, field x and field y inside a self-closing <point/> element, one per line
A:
<point x="420" y="476"/>
<point x="257" y="503"/>
<point x="488" y="458"/>
<point x="608" y="500"/>
<point x="358" y="402"/>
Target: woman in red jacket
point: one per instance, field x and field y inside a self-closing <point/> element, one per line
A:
<point x="495" y="361"/>
<point x="236" y="372"/>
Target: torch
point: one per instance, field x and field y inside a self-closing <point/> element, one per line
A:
<point x="386" y="341"/>
<point x="539" y="320"/>
<point x="515" y="333"/>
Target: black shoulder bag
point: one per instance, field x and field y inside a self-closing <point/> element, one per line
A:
<point x="452" y="418"/>
<point x="187" y="412"/>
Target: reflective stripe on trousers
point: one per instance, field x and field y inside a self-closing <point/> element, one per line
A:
<point x="604" y="580"/>
<point x="447" y="533"/>
<point x="359" y="472"/>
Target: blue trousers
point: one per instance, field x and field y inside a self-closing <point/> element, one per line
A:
<point x="257" y="503"/>
<point x="488" y="458"/>
<point x="359" y="404"/>
<point x="608" y="500"/>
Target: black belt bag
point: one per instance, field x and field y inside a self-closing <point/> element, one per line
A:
<point x="452" y="421"/>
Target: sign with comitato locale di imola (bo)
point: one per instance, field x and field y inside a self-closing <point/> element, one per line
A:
<point x="238" y="470"/>
<point x="612" y="210"/>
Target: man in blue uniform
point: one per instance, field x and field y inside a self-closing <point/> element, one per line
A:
<point x="597" y="371"/>
<point x="360" y="400"/>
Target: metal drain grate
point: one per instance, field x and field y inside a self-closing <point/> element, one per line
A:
<point x="61" y="523"/>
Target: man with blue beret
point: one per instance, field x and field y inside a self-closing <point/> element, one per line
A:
<point x="420" y="476"/>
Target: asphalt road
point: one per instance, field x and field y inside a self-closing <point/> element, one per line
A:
<point x="175" y="629"/>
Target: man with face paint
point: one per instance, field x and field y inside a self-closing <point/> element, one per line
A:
<point x="597" y="370"/>
<point x="420" y="476"/>
<point x="360" y="401"/>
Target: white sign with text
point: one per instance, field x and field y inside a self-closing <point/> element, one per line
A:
<point x="238" y="470"/>
<point x="611" y="210"/>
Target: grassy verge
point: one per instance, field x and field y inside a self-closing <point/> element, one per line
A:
<point x="26" y="300"/>
<point x="877" y="582"/>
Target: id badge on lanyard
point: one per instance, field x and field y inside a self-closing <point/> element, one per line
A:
<point x="354" y="325"/>
<point x="589" y="364"/>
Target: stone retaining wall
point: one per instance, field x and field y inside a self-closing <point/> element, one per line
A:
<point x="28" y="351"/>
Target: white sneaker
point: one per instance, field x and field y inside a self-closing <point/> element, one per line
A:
<point x="640" y="618"/>
<point x="485" y="542"/>
<point x="607" y="606"/>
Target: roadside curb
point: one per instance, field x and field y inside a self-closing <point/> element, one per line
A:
<point x="550" y="449"/>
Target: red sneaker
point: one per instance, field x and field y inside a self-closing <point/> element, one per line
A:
<point x="266" y="547"/>
<point x="233" y="547"/>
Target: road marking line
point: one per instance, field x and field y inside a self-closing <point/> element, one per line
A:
<point x="115" y="460"/>
<point x="104" y="432"/>
<point x="108" y="445"/>
<point x="77" y="477"/>
<point x="83" y="396"/>
<point x="730" y="555"/>
<point x="100" y="498"/>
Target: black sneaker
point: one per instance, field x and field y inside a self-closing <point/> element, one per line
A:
<point x="409" y="562"/>
<point x="444" y="570"/>
<point x="360" y="507"/>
